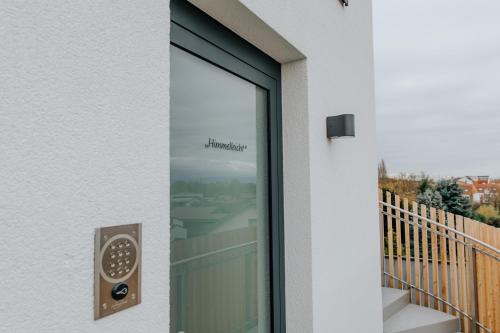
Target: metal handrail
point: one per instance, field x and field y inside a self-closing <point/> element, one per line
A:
<point x="475" y="240"/>
<point x="208" y="254"/>
<point x="439" y="299"/>
<point x="428" y="293"/>
<point x="445" y="235"/>
<point x="469" y="242"/>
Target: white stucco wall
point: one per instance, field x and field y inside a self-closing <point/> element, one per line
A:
<point x="84" y="143"/>
<point x="345" y="245"/>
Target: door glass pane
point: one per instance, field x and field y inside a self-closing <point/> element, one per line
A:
<point x="219" y="200"/>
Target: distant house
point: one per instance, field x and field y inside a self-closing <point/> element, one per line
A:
<point x="480" y="189"/>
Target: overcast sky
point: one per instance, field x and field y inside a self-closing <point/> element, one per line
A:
<point x="438" y="86"/>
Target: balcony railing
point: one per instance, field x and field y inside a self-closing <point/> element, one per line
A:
<point x="450" y="263"/>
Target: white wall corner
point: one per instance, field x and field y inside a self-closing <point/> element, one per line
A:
<point x="297" y="198"/>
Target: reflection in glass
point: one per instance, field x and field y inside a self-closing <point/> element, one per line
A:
<point x="219" y="200"/>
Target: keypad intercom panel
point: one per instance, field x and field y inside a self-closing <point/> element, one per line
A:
<point x="117" y="271"/>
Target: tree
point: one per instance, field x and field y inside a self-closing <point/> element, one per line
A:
<point x="425" y="184"/>
<point x="487" y="211"/>
<point x="431" y="198"/>
<point x="453" y="198"/>
<point x="488" y="214"/>
<point x="382" y="170"/>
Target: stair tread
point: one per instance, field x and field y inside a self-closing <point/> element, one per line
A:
<point x="393" y="300"/>
<point x="414" y="316"/>
<point x="390" y="295"/>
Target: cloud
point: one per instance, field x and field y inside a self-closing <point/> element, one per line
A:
<point x="438" y="86"/>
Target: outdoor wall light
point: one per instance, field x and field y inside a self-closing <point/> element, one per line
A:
<point x="345" y="2"/>
<point x="340" y="126"/>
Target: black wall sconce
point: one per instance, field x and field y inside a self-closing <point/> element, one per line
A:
<point x="345" y="2"/>
<point x="340" y="126"/>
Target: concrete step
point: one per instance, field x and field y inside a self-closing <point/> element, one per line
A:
<point x="417" y="319"/>
<point x="394" y="300"/>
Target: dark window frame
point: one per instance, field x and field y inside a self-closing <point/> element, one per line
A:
<point x="195" y="32"/>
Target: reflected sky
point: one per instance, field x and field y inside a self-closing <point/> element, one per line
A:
<point x="216" y="105"/>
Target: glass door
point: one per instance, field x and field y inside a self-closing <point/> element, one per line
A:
<point x="226" y="259"/>
<point x="220" y="271"/>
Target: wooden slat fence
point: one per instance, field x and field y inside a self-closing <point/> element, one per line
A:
<point x="438" y="263"/>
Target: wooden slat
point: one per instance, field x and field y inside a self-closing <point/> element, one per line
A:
<point x="496" y="287"/>
<point x="390" y="242"/>
<point x="416" y="251"/>
<point x="407" y="241"/>
<point x="488" y="278"/>
<point x="462" y="277"/>
<point x="481" y="287"/>
<point x="425" y="254"/>
<point x="453" y="263"/>
<point x="435" y="259"/>
<point x="444" y="260"/>
<point x="399" y="248"/>
<point x="470" y="229"/>
<point x="494" y="280"/>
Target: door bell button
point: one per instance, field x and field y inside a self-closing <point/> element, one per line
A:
<point x="117" y="269"/>
<point x="119" y="291"/>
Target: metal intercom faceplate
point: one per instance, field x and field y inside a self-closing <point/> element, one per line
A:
<point x="117" y="272"/>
